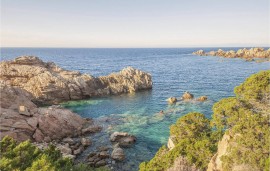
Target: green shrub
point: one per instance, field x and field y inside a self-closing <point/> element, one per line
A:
<point x="256" y="87"/>
<point x="246" y="119"/>
<point x="25" y="156"/>
<point x="194" y="140"/>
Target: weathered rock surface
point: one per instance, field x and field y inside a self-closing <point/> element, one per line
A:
<point x="187" y="96"/>
<point x="44" y="124"/>
<point x="202" y="98"/>
<point x="49" y="84"/>
<point x="123" y="139"/>
<point x="170" y="143"/>
<point x="86" y="142"/>
<point x="215" y="163"/>
<point x="241" y="53"/>
<point x="181" y="164"/>
<point x="118" y="154"/>
<point x="172" y="100"/>
<point x="99" y="158"/>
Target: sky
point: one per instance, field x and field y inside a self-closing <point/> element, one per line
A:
<point x="135" y="23"/>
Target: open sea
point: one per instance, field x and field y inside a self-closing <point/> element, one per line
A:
<point x="173" y="70"/>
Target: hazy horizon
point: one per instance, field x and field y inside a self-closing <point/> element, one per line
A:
<point x="134" y="24"/>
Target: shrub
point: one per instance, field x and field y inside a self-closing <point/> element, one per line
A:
<point x="193" y="136"/>
<point x="26" y="156"/>
<point x="255" y="88"/>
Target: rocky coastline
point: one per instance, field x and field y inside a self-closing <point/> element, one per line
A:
<point x="193" y="144"/>
<point x="50" y="84"/>
<point x="244" y="53"/>
<point x="27" y="84"/>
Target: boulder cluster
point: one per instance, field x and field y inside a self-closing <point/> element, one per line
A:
<point x="109" y="156"/>
<point x="241" y="53"/>
<point x="186" y="96"/>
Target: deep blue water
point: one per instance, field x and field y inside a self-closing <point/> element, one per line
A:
<point x="174" y="71"/>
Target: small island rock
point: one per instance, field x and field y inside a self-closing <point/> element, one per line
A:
<point x="202" y="98"/>
<point x="187" y="96"/>
<point x="172" y="100"/>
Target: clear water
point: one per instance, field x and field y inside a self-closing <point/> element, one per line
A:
<point x="174" y="71"/>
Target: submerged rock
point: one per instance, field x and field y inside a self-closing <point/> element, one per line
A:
<point x="123" y="139"/>
<point x="202" y="98"/>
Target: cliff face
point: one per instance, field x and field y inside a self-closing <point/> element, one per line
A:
<point x="50" y="84"/>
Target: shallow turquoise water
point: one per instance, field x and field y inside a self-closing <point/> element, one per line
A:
<point x="174" y="71"/>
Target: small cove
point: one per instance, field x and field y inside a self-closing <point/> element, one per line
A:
<point x="174" y="71"/>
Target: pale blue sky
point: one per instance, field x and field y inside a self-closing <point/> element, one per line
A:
<point x="134" y="23"/>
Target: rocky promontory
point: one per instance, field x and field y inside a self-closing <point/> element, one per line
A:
<point x="240" y="53"/>
<point x="50" y="84"/>
<point x="27" y="84"/>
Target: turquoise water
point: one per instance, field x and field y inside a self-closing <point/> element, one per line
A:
<point x="174" y="71"/>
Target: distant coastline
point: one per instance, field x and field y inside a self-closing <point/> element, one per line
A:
<point x="248" y="54"/>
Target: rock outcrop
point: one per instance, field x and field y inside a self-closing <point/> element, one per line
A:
<point x="216" y="163"/>
<point x="202" y="98"/>
<point x="181" y="164"/>
<point x="172" y="100"/>
<point x="187" y="96"/>
<point x="241" y="53"/>
<point x="43" y="124"/>
<point x="170" y="143"/>
<point x="123" y="139"/>
<point x="50" y="84"/>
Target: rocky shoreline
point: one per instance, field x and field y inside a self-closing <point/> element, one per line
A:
<point x="240" y="53"/>
<point x="27" y="83"/>
<point x="50" y="84"/>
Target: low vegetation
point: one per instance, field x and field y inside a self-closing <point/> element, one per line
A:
<point x="25" y="156"/>
<point x="244" y="117"/>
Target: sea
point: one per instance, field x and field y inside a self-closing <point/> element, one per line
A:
<point x="173" y="70"/>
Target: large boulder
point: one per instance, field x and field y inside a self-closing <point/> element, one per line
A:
<point x="123" y="139"/>
<point x="172" y="100"/>
<point x="49" y="84"/>
<point x="187" y="96"/>
<point x="118" y="154"/>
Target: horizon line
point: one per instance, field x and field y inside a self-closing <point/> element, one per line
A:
<point x="263" y="46"/>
